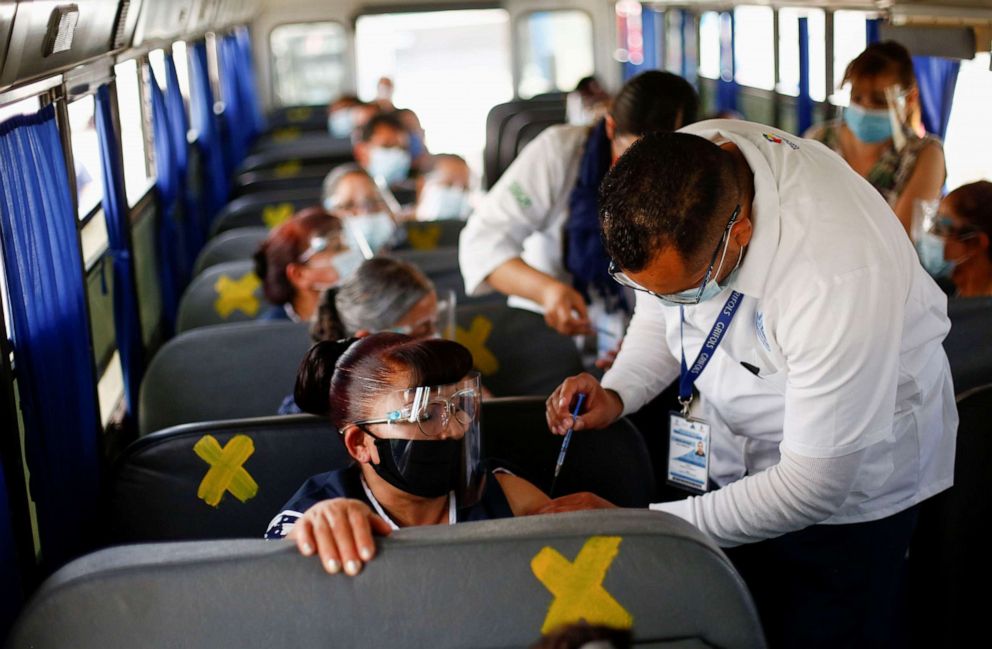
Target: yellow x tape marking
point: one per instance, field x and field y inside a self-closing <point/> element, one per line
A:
<point x="288" y="169"/>
<point x="475" y="339"/>
<point x="226" y="471"/>
<point x="578" y="585"/>
<point x="275" y="215"/>
<point x="286" y="134"/>
<point x="424" y="237"/>
<point x="298" y="114"/>
<point x="235" y="295"/>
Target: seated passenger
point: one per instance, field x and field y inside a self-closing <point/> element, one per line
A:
<point x="419" y="155"/>
<point x="341" y="116"/>
<point x="383" y="150"/>
<point x="588" y="103"/>
<point x="958" y="244"/>
<point x="299" y="260"/>
<point x="444" y="193"/>
<point x="408" y="413"/>
<point x="905" y="165"/>
<point x="369" y="224"/>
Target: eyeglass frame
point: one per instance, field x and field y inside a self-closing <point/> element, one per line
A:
<point x="939" y="228"/>
<point x="396" y="416"/>
<point x="621" y="278"/>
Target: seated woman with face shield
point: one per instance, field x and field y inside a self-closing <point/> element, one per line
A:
<point x="299" y="260"/>
<point x="407" y="411"/>
<point x="368" y="220"/>
<point x="881" y="134"/>
<point x="383" y="294"/>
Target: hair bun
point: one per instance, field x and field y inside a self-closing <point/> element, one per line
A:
<point x="313" y="380"/>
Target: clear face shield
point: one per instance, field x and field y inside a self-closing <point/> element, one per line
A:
<point x="441" y="324"/>
<point x="429" y="441"/>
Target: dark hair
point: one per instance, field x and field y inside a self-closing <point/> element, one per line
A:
<point x="380" y="293"/>
<point x="885" y="57"/>
<point x="575" y="636"/>
<point x="654" y="101"/>
<point x="285" y="244"/>
<point x="668" y="189"/>
<point x="340" y="379"/>
<point x="972" y="203"/>
<point x="387" y="120"/>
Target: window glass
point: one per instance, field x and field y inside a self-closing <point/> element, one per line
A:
<point x="179" y="55"/>
<point x="969" y="138"/>
<point x="709" y="45"/>
<point x="556" y="51"/>
<point x="788" y="43"/>
<point x="754" y="47"/>
<point x="308" y="63"/>
<point x="23" y="107"/>
<point x="850" y="39"/>
<point x="110" y="388"/>
<point x="133" y="143"/>
<point x="85" y="154"/>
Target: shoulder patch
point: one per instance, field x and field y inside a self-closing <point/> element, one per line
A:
<point x="776" y="139"/>
<point x="520" y="195"/>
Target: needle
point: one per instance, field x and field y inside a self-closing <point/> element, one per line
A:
<point x="564" y="443"/>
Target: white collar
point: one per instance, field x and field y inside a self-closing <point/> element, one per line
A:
<point x="452" y="510"/>
<point x="291" y="312"/>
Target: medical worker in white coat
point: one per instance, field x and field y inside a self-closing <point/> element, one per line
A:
<point x="535" y="236"/>
<point x="779" y="289"/>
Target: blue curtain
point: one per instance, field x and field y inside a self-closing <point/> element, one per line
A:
<point x="804" y="103"/>
<point x="51" y="335"/>
<point x="127" y="322"/>
<point x="872" y="30"/>
<point x="652" y="38"/>
<point x="726" y="97"/>
<point x="215" y="179"/>
<point x="247" y="84"/>
<point x="937" y="78"/>
<point x="687" y="29"/>
<point x="173" y="260"/>
<point x="237" y="129"/>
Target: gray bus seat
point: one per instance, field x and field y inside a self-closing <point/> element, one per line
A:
<point x="224" y="293"/>
<point x="222" y="372"/>
<point x="514" y="350"/>
<point x="287" y="178"/>
<point x="432" y="235"/>
<point x="441" y="266"/>
<point x="495" y="122"/>
<point x="166" y="487"/>
<point x="509" y="137"/>
<point x="264" y="209"/>
<point x="311" y="118"/>
<point x="483" y="585"/>
<point x="162" y="489"/>
<point x="969" y="343"/>
<point x="238" y="244"/>
<point x="948" y="557"/>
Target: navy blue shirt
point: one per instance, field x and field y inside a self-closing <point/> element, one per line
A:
<point x="347" y="483"/>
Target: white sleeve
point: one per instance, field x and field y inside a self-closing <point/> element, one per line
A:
<point x="518" y="205"/>
<point x="645" y="365"/>
<point x="797" y="492"/>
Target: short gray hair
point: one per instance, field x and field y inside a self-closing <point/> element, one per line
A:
<point x="337" y="174"/>
<point x="379" y="294"/>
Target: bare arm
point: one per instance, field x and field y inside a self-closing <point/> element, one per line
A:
<point x="524" y="498"/>
<point x="924" y="185"/>
<point x="564" y="308"/>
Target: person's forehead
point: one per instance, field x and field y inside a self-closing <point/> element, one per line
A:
<point x="355" y="184"/>
<point x="384" y="132"/>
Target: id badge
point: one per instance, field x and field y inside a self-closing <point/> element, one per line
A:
<point x="688" y="453"/>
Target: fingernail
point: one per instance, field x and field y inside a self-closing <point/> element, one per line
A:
<point x="333" y="566"/>
<point x="307" y="549"/>
<point x="352" y="567"/>
<point x="365" y="553"/>
<point x="562" y="403"/>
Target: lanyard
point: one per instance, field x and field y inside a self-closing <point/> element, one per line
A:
<point x="689" y="374"/>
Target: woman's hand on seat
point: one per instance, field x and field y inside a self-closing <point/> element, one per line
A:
<point x="575" y="502"/>
<point x="340" y="532"/>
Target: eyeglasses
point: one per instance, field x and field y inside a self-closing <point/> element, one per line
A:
<point x="943" y="227"/>
<point x="432" y="412"/>
<point x="318" y="244"/>
<point x="621" y="278"/>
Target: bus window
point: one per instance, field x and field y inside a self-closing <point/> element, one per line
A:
<point x="556" y="50"/>
<point x="709" y="45"/>
<point x="434" y="60"/>
<point x="23" y="107"/>
<point x="969" y="138"/>
<point x="788" y="48"/>
<point x="85" y="155"/>
<point x="133" y="144"/>
<point x="754" y="47"/>
<point x="850" y="39"/>
<point x="179" y="55"/>
<point x="308" y="63"/>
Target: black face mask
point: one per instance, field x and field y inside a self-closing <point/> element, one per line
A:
<point x="428" y="469"/>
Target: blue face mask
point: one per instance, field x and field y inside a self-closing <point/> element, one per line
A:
<point x="392" y="164"/>
<point x="930" y="247"/>
<point x="341" y="123"/>
<point x="712" y="288"/>
<point x="369" y="233"/>
<point x="869" y="126"/>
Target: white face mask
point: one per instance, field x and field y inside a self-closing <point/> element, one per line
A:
<point x="341" y="123"/>
<point x="392" y="164"/>
<point x="442" y="202"/>
<point x="369" y="233"/>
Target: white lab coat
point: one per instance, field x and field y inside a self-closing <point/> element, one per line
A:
<point x="843" y="323"/>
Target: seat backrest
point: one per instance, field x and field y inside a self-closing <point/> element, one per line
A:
<point x="222" y="372"/>
<point x="441" y="266"/>
<point x="165" y="486"/>
<point x="431" y="235"/>
<point x="483" y="585"/>
<point x="163" y="489"/>
<point x="509" y="137"/>
<point x="304" y="177"/>
<point x="612" y="463"/>
<point x="495" y="121"/>
<point x="238" y="244"/>
<point x="264" y="209"/>
<point x="224" y="293"/>
<point x="514" y="350"/>
<point x="529" y="133"/>
<point x="331" y="153"/>
<point x="949" y="552"/>
<point x="967" y="343"/>
<point x="304" y="117"/>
